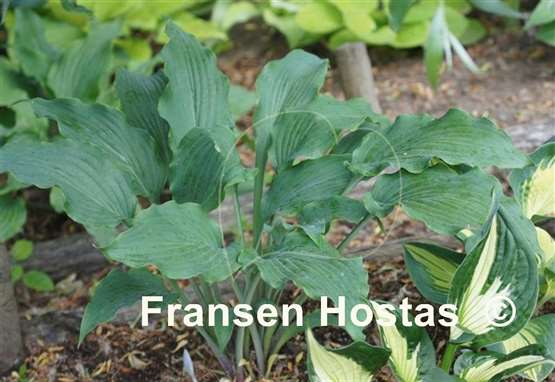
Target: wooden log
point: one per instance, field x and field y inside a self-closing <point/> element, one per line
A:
<point x="11" y="346"/>
<point x="355" y="72"/>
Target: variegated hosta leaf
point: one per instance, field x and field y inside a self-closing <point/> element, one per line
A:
<point x="133" y="149"/>
<point x="412" y="356"/>
<point x="357" y="362"/>
<point x="197" y="92"/>
<point x="75" y="168"/>
<point x="318" y="270"/>
<point x="502" y="267"/>
<point x="440" y="197"/>
<point x="432" y="268"/>
<point x="291" y="82"/>
<point x="534" y="184"/>
<point x="73" y="75"/>
<point x="179" y="239"/>
<point x="309" y="131"/>
<point x="539" y="331"/>
<point x="310" y="181"/>
<point x="316" y="216"/>
<point x="456" y="138"/>
<point x="12" y="216"/>
<point x="494" y="367"/>
<point x="547" y="265"/>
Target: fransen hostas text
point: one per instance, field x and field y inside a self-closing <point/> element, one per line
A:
<point x="267" y="315"/>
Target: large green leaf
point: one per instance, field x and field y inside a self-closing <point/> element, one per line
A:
<point x="539" y="331"/>
<point x="495" y="367"/>
<point x="435" y="45"/>
<point x="319" y="17"/>
<point x="357" y="362"/>
<point x="412" y="355"/>
<point x="501" y="265"/>
<point x="139" y="96"/>
<point x="497" y="7"/>
<point x="456" y="138"/>
<point x="97" y="192"/>
<point x="287" y="25"/>
<point x="34" y="54"/>
<point x="12" y="216"/>
<point x="118" y="290"/>
<point x="543" y="13"/>
<point x="318" y="270"/>
<point x="293" y="81"/>
<point x="309" y="181"/>
<point x="546" y="33"/>
<point x="308" y="131"/>
<point x="74" y="74"/>
<point x="179" y="239"/>
<point x="12" y="85"/>
<point x="397" y="12"/>
<point x="357" y="16"/>
<point x="241" y="101"/>
<point x="533" y="185"/>
<point x="134" y="150"/>
<point x="197" y="92"/>
<point x="432" y="268"/>
<point x="445" y="200"/>
<point x="199" y="172"/>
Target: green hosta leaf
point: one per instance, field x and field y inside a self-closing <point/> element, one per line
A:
<point x="434" y="47"/>
<point x="357" y="16"/>
<point x="432" y="268"/>
<point x="57" y="199"/>
<point x="412" y="355"/>
<point x="73" y="75"/>
<point x="74" y="168"/>
<point x="446" y="201"/>
<point x="546" y="33"/>
<point x="237" y="13"/>
<point x="241" y="101"/>
<point x="34" y="54"/>
<point x="12" y="215"/>
<point x="411" y="35"/>
<point x="319" y="271"/>
<point x="291" y="82"/>
<point x="380" y="36"/>
<point x="542" y="14"/>
<point x="309" y="181"/>
<point x="494" y="367"/>
<point x="22" y="250"/>
<point x="202" y="29"/>
<point x="38" y="281"/>
<point x="315" y="216"/>
<point x="287" y="25"/>
<point x="397" y="12"/>
<point x="197" y="92"/>
<point x="503" y="265"/>
<point x="319" y="17"/>
<point x="474" y="32"/>
<point x="139" y="96"/>
<point x="539" y="331"/>
<point x="12" y="84"/>
<point x="357" y="362"/>
<point x="133" y="149"/>
<point x="456" y="138"/>
<point x="533" y="185"/>
<point x="10" y="185"/>
<point x="117" y="290"/>
<point x="308" y="131"/>
<point x="200" y="172"/>
<point x="497" y="7"/>
<point x="179" y="239"/>
<point x="547" y="245"/>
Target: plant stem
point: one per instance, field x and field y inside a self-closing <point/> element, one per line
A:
<point x="261" y="159"/>
<point x="237" y="206"/>
<point x="449" y="356"/>
<point x="353" y="232"/>
<point x="222" y="358"/>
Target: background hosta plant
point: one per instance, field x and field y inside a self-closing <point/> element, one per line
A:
<point x="174" y="130"/>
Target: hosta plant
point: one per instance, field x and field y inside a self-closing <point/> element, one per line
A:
<point x="143" y="178"/>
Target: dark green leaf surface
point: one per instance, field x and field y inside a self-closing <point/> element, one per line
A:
<point x="309" y="181"/>
<point x="118" y="290"/>
<point x="440" y="197"/>
<point x="179" y="239"/>
<point x="456" y="138"/>
<point x="38" y="281"/>
<point x="105" y="128"/>
<point x="82" y="68"/>
<point x="12" y="215"/>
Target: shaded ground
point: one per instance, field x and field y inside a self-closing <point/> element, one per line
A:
<point x="518" y="88"/>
